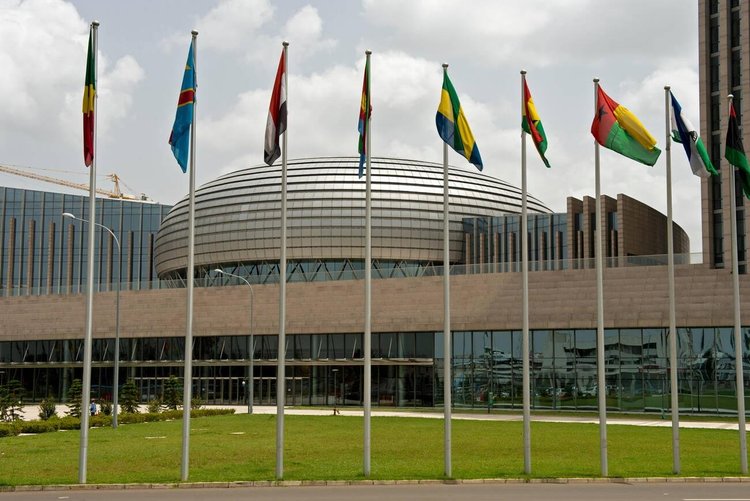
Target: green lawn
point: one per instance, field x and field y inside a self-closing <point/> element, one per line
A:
<point x="242" y="447"/>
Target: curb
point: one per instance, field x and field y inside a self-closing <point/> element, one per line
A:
<point x="331" y="483"/>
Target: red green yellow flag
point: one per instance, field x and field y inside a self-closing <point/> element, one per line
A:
<point x="89" y="100"/>
<point x="615" y="127"/>
<point x="531" y="124"/>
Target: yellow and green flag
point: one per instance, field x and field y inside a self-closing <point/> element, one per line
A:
<point x="453" y="127"/>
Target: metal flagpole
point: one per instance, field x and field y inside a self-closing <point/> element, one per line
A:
<point x="738" y="364"/>
<point x="281" y="356"/>
<point x="600" y="368"/>
<point x="672" y="317"/>
<point x="368" y="283"/>
<point x="87" y="341"/>
<point x="525" y="298"/>
<point x="189" y="278"/>
<point x="447" y="358"/>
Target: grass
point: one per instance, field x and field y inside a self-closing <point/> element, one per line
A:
<point x="242" y="447"/>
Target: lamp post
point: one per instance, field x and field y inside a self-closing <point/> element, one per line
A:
<point x="116" y="376"/>
<point x="335" y="392"/>
<point x="250" y="389"/>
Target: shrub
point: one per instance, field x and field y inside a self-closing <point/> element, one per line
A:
<point x="106" y="407"/>
<point x="47" y="409"/>
<point x="9" y="430"/>
<point x="154" y="406"/>
<point x="100" y="421"/>
<point x="68" y="423"/>
<point x="196" y="403"/>
<point x="129" y="397"/>
<point x="75" y="397"/>
<point x="37" y="426"/>
<point x="131" y="417"/>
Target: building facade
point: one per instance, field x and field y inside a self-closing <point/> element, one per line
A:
<point x="237" y="220"/>
<point x="724" y="65"/>
<point x="43" y="252"/>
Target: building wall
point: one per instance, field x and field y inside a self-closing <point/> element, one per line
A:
<point x="634" y="297"/>
<point x="642" y="230"/>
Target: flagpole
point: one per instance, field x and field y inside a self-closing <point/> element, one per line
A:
<point x="281" y="356"/>
<point x="525" y="296"/>
<point x="600" y="368"/>
<point x="187" y="389"/>
<point x="675" y="404"/>
<point x="87" y="341"/>
<point x="368" y="284"/>
<point x="738" y="363"/>
<point x="447" y="358"/>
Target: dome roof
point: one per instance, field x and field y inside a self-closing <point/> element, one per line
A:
<point x="237" y="216"/>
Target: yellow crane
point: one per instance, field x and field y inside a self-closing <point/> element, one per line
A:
<point x="116" y="193"/>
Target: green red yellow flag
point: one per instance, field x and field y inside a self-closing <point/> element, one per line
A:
<point x="531" y="124"/>
<point x="615" y="127"/>
<point x="89" y="101"/>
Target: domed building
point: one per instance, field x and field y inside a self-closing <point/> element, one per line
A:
<point x="238" y="219"/>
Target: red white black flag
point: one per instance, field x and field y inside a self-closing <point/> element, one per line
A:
<point x="276" y="124"/>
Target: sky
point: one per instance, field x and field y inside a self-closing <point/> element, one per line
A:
<point x="143" y="46"/>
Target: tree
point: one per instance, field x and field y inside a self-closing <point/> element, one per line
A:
<point x="172" y="393"/>
<point x="129" y="397"/>
<point x="13" y="394"/>
<point x="75" y="398"/>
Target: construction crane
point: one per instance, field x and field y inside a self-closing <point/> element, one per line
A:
<point x="117" y="193"/>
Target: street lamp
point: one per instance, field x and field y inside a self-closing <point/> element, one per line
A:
<point x="116" y="376"/>
<point x="335" y="399"/>
<point x="251" y="375"/>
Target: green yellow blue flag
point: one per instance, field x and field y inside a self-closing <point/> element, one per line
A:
<point x="453" y="127"/>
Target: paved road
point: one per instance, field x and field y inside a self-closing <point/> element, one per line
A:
<point x="733" y="491"/>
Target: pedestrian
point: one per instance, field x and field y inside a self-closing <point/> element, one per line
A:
<point x="93" y="408"/>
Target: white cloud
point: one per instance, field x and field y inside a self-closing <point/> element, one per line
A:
<point x="229" y="26"/>
<point x="305" y="28"/>
<point x="43" y="56"/>
<point x="537" y="32"/>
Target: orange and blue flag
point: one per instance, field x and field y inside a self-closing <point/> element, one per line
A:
<point x="180" y="136"/>
<point x="365" y="110"/>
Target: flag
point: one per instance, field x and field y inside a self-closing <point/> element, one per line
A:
<point x="453" y="127"/>
<point x="276" y="123"/>
<point x="615" y="127"/>
<point x="735" y="153"/>
<point x="89" y="102"/>
<point x="180" y="136"/>
<point x="365" y="109"/>
<point x="683" y="132"/>
<point x="528" y="113"/>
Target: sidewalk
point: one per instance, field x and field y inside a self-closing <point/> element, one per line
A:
<point x="32" y="412"/>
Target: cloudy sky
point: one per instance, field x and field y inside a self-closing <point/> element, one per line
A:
<point x="143" y="45"/>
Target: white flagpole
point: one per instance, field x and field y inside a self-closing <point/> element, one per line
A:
<point x="738" y="364"/>
<point x="447" y="358"/>
<point x="675" y="403"/>
<point x="600" y="368"/>
<point x="525" y="297"/>
<point x="187" y="389"/>
<point x="281" y="356"/>
<point x="368" y="283"/>
<point x="87" y="340"/>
